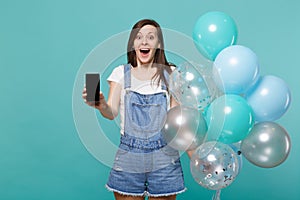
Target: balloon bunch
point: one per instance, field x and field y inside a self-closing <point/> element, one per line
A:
<point x="226" y="112"/>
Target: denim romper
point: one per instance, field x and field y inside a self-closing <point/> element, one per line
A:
<point x="144" y="164"/>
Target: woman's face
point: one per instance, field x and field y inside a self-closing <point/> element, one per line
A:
<point x="145" y="44"/>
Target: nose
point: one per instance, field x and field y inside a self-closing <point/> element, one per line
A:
<point x="144" y="40"/>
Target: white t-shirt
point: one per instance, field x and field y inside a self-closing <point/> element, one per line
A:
<point x="142" y="87"/>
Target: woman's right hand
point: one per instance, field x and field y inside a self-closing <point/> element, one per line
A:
<point x="110" y="108"/>
<point x="102" y="104"/>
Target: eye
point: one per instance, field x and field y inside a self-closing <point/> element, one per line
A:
<point x="138" y="37"/>
<point x="151" y="37"/>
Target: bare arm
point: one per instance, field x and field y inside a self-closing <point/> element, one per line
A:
<point x="110" y="108"/>
<point x="173" y="102"/>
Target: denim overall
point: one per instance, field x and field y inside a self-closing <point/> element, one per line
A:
<point x="144" y="163"/>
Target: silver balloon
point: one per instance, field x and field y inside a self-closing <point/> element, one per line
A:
<point x="184" y="128"/>
<point x="267" y="145"/>
<point x="214" y="165"/>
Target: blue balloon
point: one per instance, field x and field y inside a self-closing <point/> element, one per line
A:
<point x="236" y="69"/>
<point x="270" y="98"/>
<point x="213" y="32"/>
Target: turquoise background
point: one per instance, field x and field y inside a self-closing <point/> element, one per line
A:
<point x="42" y="46"/>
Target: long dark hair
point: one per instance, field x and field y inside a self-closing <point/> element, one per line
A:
<point x="160" y="60"/>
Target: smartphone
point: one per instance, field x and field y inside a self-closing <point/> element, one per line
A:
<point x="92" y="82"/>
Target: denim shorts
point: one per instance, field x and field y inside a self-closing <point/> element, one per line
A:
<point x="162" y="182"/>
<point x="164" y="178"/>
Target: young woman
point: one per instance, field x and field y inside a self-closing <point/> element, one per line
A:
<point x="144" y="164"/>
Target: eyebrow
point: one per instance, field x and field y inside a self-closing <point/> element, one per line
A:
<point x="147" y="33"/>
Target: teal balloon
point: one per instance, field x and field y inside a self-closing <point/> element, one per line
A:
<point x="213" y="32"/>
<point x="229" y="119"/>
<point x="236" y="69"/>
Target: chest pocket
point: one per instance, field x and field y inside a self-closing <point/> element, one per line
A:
<point x="146" y="112"/>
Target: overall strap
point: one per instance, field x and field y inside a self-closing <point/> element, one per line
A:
<point x="127" y="77"/>
<point x="163" y="85"/>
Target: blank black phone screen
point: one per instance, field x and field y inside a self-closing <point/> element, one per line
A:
<point x="92" y="81"/>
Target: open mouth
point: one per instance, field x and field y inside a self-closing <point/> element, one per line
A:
<point x="144" y="51"/>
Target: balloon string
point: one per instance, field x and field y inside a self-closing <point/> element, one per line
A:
<point x="217" y="195"/>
